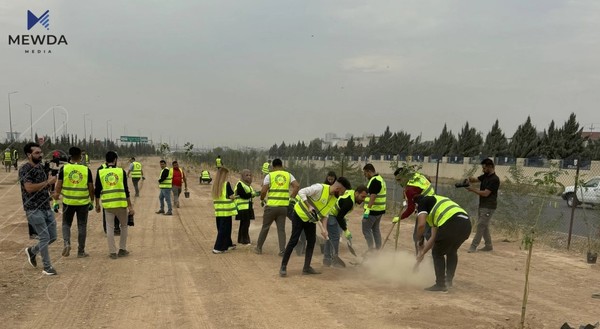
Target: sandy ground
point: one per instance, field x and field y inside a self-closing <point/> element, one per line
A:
<point x="172" y="280"/>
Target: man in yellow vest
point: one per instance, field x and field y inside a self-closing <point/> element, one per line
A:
<point x="375" y="205"/>
<point x="219" y="162"/>
<point x="265" y="168"/>
<point x="136" y="173"/>
<point x="85" y="158"/>
<point x="413" y="183"/>
<point x="205" y="177"/>
<point x="111" y="187"/>
<point x="450" y="227"/>
<point x="165" y="184"/>
<point x="337" y="222"/>
<point x="77" y="189"/>
<point x="7" y="159"/>
<point x="279" y="187"/>
<point x="313" y="205"/>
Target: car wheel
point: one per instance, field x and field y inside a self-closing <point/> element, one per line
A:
<point x="572" y="200"/>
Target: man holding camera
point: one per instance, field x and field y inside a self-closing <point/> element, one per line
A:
<point x="488" y="195"/>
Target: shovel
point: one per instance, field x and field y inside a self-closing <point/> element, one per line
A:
<point x="351" y="248"/>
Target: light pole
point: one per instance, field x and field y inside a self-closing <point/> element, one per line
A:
<point x="31" y="121"/>
<point x="107" y="121"/>
<point x="65" y="132"/>
<point x="84" y="131"/>
<point x="54" y="122"/>
<point x="10" y="116"/>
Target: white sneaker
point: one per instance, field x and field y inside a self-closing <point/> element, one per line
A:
<point x="215" y="251"/>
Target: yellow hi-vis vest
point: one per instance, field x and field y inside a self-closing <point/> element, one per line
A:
<point x="265" y="168"/>
<point x="279" y="189"/>
<point x="205" y="175"/>
<point x="219" y="164"/>
<point x="75" y="185"/>
<point x="423" y="183"/>
<point x="224" y="207"/>
<point x="322" y="205"/>
<point x="15" y="155"/>
<point x="7" y="156"/>
<point x="137" y="170"/>
<point x="336" y="209"/>
<point x="243" y="204"/>
<point x="380" y="198"/>
<point x="168" y="182"/>
<point x="113" y="189"/>
<point x="442" y="211"/>
<point x="86" y="160"/>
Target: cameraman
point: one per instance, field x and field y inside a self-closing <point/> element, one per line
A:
<point x="488" y="195"/>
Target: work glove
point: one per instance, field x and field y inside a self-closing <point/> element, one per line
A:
<point x="256" y="193"/>
<point x="55" y="206"/>
<point x="90" y="206"/>
<point x="366" y="213"/>
<point x="395" y="219"/>
<point x="348" y="234"/>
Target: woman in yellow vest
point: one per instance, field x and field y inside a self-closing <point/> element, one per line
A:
<point x="225" y="209"/>
<point x="450" y="227"/>
<point x="243" y="201"/>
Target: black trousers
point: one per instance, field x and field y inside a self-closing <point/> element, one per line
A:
<point x="223" y="241"/>
<point x="299" y="226"/>
<point x="450" y="236"/>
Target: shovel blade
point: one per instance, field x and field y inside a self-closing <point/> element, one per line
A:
<point x="351" y="248"/>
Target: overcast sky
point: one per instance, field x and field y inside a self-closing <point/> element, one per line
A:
<point x="256" y="73"/>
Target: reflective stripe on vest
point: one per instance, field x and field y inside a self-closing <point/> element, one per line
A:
<point x="265" y="168"/>
<point x="336" y="209"/>
<point x="205" y="175"/>
<point x="113" y="188"/>
<point x="7" y="156"/>
<point x="243" y="204"/>
<point x="279" y="189"/>
<point x="168" y="182"/>
<point x="75" y="185"/>
<point x="380" y="198"/>
<point x="322" y="205"/>
<point x="423" y="183"/>
<point x="224" y="207"/>
<point x="443" y="210"/>
<point x="137" y="170"/>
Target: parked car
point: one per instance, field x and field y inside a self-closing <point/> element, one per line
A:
<point x="587" y="193"/>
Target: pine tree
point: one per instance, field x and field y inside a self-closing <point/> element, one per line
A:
<point x="469" y="142"/>
<point x="400" y="143"/>
<point x="525" y="142"/>
<point x="445" y="143"/>
<point x="496" y="143"/>
<point x="551" y="142"/>
<point x="571" y="137"/>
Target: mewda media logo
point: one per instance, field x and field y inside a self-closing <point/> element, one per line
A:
<point x="38" y="43"/>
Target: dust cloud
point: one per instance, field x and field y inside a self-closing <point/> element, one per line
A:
<point x="397" y="268"/>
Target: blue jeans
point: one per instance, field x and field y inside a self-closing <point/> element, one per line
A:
<point x="165" y="193"/>
<point x="334" y="229"/>
<point x="45" y="225"/>
<point x="371" y="231"/>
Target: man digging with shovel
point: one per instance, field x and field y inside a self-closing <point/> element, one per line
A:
<point x="336" y="223"/>
<point x="313" y="205"/>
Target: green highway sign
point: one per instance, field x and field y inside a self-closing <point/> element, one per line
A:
<point x="134" y="139"/>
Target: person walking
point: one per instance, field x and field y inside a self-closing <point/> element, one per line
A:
<point x="15" y="158"/>
<point x="85" y="158"/>
<point x="218" y="162"/>
<point x="375" y="205"/>
<point x="7" y="159"/>
<point x="488" y="201"/>
<point x="450" y="227"/>
<point x="178" y="180"/>
<point x="35" y="193"/>
<point x="413" y="183"/>
<point x="244" y="194"/>
<point x="117" y="226"/>
<point x="279" y="187"/>
<point x="313" y="205"/>
<point x="265" y="168"/>
<point x="225" y="209"/>
<point x="337" y="222"/>
<point x="136" y="173"/>
<point x="111" y="188"/>
<point x="77" y="188"/>
<point x="165" y="184"/>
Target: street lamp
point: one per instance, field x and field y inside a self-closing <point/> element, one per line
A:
<point x="107" y="121"/>
<point x="84" y="132"/>
<point x="31" y="121"/>
<point x="65" y="126"/>
<point x="54" y="122"/>
<point x="10" y="116"/>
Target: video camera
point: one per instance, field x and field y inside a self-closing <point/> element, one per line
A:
<point x="463" y="183"/>
<point x="50" y="171"/>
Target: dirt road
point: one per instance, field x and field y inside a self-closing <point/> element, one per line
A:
<point x="172" y="280"/>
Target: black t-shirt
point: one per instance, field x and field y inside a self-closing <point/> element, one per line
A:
<point x="346" y="206"/>
<point x="489" y="182"/>
<point x="34" y="174"/>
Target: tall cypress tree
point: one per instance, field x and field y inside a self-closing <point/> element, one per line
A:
<point x="551" y="142"/>
<point x="445" y="143"/>
<point x="496" y="143"/>
<point x="525" y="142"/>
<point x="571" y="138"/>
<point x="469" y="141"/>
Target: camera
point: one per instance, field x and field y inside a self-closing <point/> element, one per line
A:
<point x="50" y="171"/>
<point x="463" y="183"/>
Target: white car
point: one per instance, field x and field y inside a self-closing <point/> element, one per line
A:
<point x="587" y="193"/>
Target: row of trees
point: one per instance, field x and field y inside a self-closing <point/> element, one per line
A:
<point x="552" y="143"/>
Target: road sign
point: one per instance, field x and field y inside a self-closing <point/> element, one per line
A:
<point x="134" y="139"/>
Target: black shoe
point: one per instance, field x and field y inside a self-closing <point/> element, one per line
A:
<point x="327" y="263"/>
<point x="472" y="249"/>
<point x="487" y="248"/>
<point x="123" y="253"/>
<point x="113" y="256"/>
<point x="258" y="251"/>
<point x="232" y="247"/>
<point x="169" y="213"/>
<point x="33" y="236"/>
<point x="160" y="212"/>
<point x="117" y="232"/>
<point x="49" y="271"/>
<point x="30" y="257"/>
<point x="436" y="287"/>
<point x="449" y="284"/>
<point x="66" y="251"/>
<point x="82" y="254"/>
<point x="282" y="271"/>
<point x="309" y="270"/>
<point x="339" y="265"/>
